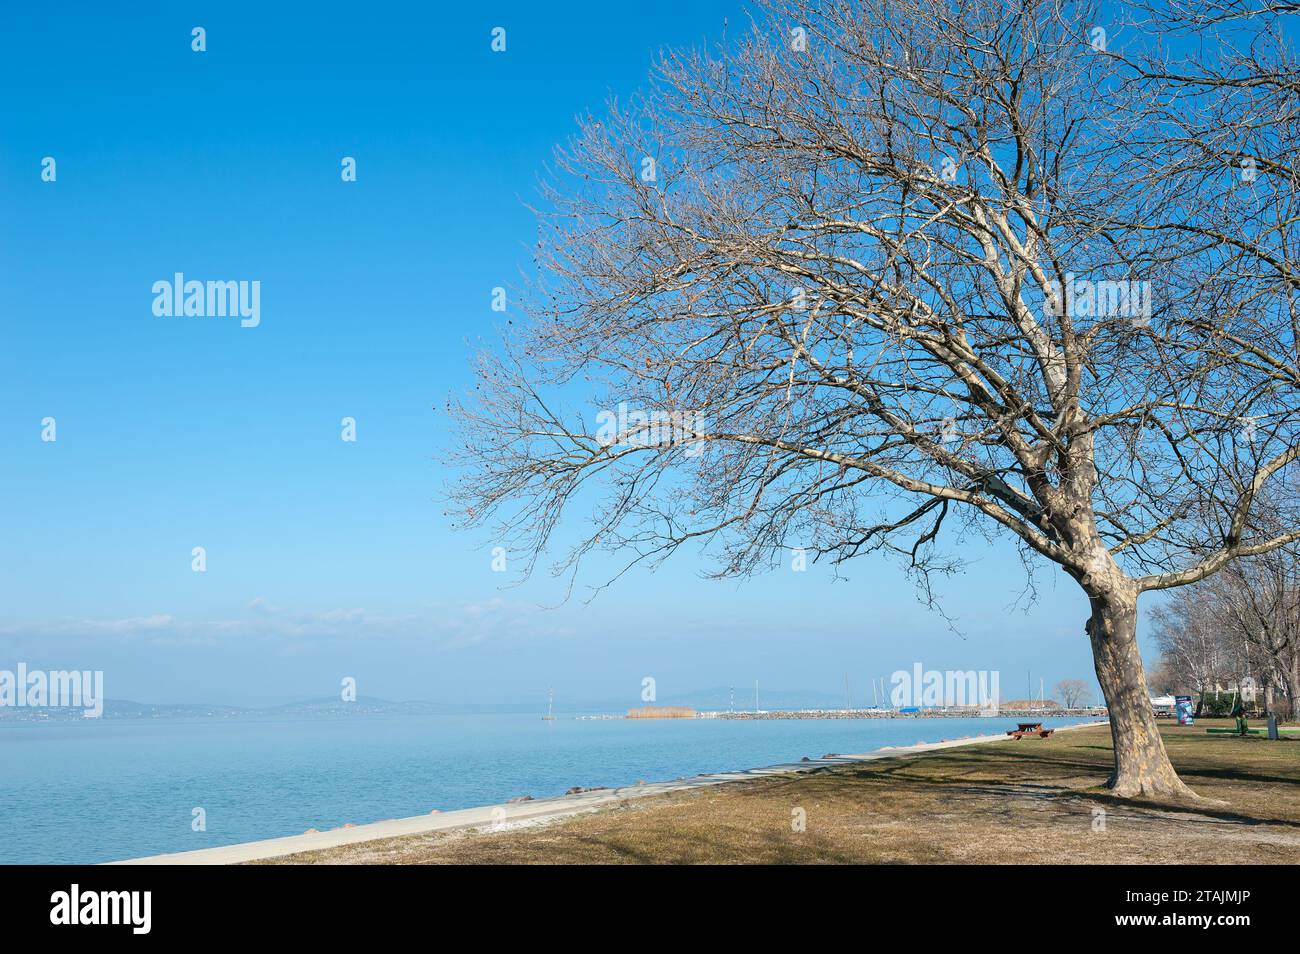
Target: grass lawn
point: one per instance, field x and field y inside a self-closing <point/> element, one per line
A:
<point x="1031" y="802"/>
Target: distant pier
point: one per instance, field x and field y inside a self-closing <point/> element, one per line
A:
<point x="951" y="712"/>
<point x="973" y="712"/>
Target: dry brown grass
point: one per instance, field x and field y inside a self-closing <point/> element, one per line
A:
<point x="1024" y="802"/>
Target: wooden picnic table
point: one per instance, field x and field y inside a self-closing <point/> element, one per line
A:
<point x="1029" y="728"/>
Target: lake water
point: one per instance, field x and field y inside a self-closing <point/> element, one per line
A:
<point x="99" y="791"/>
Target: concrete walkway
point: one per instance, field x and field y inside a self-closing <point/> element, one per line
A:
<point x="498" y="817"/>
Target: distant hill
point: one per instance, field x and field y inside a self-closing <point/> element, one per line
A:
<point x="312" y="708"/>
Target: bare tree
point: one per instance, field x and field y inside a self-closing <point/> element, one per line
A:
<point x="1195" y="649"/>
<point x="1244" y="622"/>
<point x="875" y="268"/>
<point x="1258" y="603"/>
<point x="1162" y="679"/>
<point x="1246" y="89"/>
<point x="1073" y="693"/>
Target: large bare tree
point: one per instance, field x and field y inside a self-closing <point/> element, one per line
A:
<point x="872" y="269"/>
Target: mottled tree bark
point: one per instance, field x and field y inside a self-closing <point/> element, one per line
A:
<point x="1294" y="675"/>
<point x="1142" y="767"/>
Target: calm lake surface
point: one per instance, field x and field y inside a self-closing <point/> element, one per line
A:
<point x="99" y="791"/>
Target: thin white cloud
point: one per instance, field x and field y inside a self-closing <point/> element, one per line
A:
<point x="455" y="626"/>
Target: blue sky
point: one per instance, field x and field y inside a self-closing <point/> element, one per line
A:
<point x="326" y="558"/>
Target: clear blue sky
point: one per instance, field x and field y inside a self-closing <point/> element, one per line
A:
<point x="329" y="559"/>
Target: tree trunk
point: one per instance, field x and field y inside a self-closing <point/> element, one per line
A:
<point x="1295" y="684"/>
<point x="1142" y="767"/>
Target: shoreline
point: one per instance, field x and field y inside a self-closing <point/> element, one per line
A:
<point x="534" y="811"/>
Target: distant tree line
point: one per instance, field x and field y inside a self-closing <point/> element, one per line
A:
<point x="1238" y="629"/>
